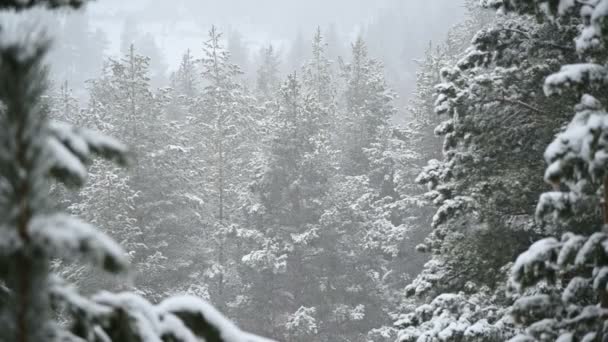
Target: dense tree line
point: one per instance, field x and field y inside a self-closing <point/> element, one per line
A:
<point x="296" y="206"/>
<point x="288" y="205"/>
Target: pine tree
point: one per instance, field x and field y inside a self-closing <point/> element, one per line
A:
<point x="268" y="73"/>
<point x="317" y="74"/>
<point x="485" y="186"/>
<point x="133" y="96"/>
<point x="311" y="218"/>
<point x="63" y="105"/>
<point x="127" y="202"/>
<point x="367" y="108"/>
<point x="185" y="79"/>
<point x="185" y="87"/>
<point x="317" y="231"/>
<point x="483" y="157"/>
<point x="33" y="149"/>
<point x="574" y="266"/>
<point x="290" y="188"/>
<point x="227" y="127"/>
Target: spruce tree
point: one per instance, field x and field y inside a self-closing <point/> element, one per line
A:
<point x="317" y="73"/>
<point x="575" y="265"/>
<point x="226" y="127"/>
<point x="290" y="190"/>
<point x="485" y="186"/>
<point x="483" y="157"/>
<point x="185" y="79"/>
<point x="367" y="107"/>
<point x="33" y="149"/>
<point x="268" y="73"/>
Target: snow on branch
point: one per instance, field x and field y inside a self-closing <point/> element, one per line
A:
<point x="453" y="317"/>
<point x="64" y="236"/>
<point x="129" y="317"/>
<point x="591" y="13"/>
<point x="548" y="259"/>
<point x="576" y="76"/>
<point x="63" y="165"/>
<point x="205" y="321"/>
<point x="105" y="146"/>
<point x="582" y="148"/>
<point x="557" y="203"/>
<point x="450" y="208"/>
<point x="85" y="142"/>
<point x="21" y="40"/>
<point x="144" y="323"/>
<point x="71" y="148"/>
<point x="111" y="316"/>
<point x="535" y="263"/>
<point x="66" y="296"/>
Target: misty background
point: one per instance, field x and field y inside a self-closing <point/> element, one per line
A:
<point x="397" y="32"/>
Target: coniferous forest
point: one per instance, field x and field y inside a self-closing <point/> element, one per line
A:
<point x="331" y="191"/>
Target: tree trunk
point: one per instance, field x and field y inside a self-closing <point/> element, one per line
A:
<point x="603" y="294"/>
<point x="221" y="209"/>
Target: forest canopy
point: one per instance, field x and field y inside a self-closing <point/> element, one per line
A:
<point x="312" y="194"/>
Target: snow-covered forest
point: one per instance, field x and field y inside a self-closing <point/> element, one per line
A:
<point x="347" y="171"/>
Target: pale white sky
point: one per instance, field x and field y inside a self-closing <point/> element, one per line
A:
<point x="181" y="24"/>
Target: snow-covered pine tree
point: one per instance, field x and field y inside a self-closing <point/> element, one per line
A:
<point x="367" y="108"/>
<point x="577" y="169"/>
<point x="184" y="89"/>
<point x="317" y="75"/>
<point x="226" y="125"/>
<point x="577" y="309"/>
<point x="185" y="80"/>
<point x="310" y="218"/>
<point x="462" y="317"/>
<point x="484" y="187"/>
<point x="268" y="79"/>
<point x="63" y="105"/>
<point x="487" y="159"/>
<point x="376" y="174"/>
<point x="302" y="324"/>
<point x="295" y="173"/>
<point x="396" y="200"/>
<point x="133" y="98"/>
<point x="121" y="103"/>
<point x="33" y="149"/>
<point x="132" y="205"/>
